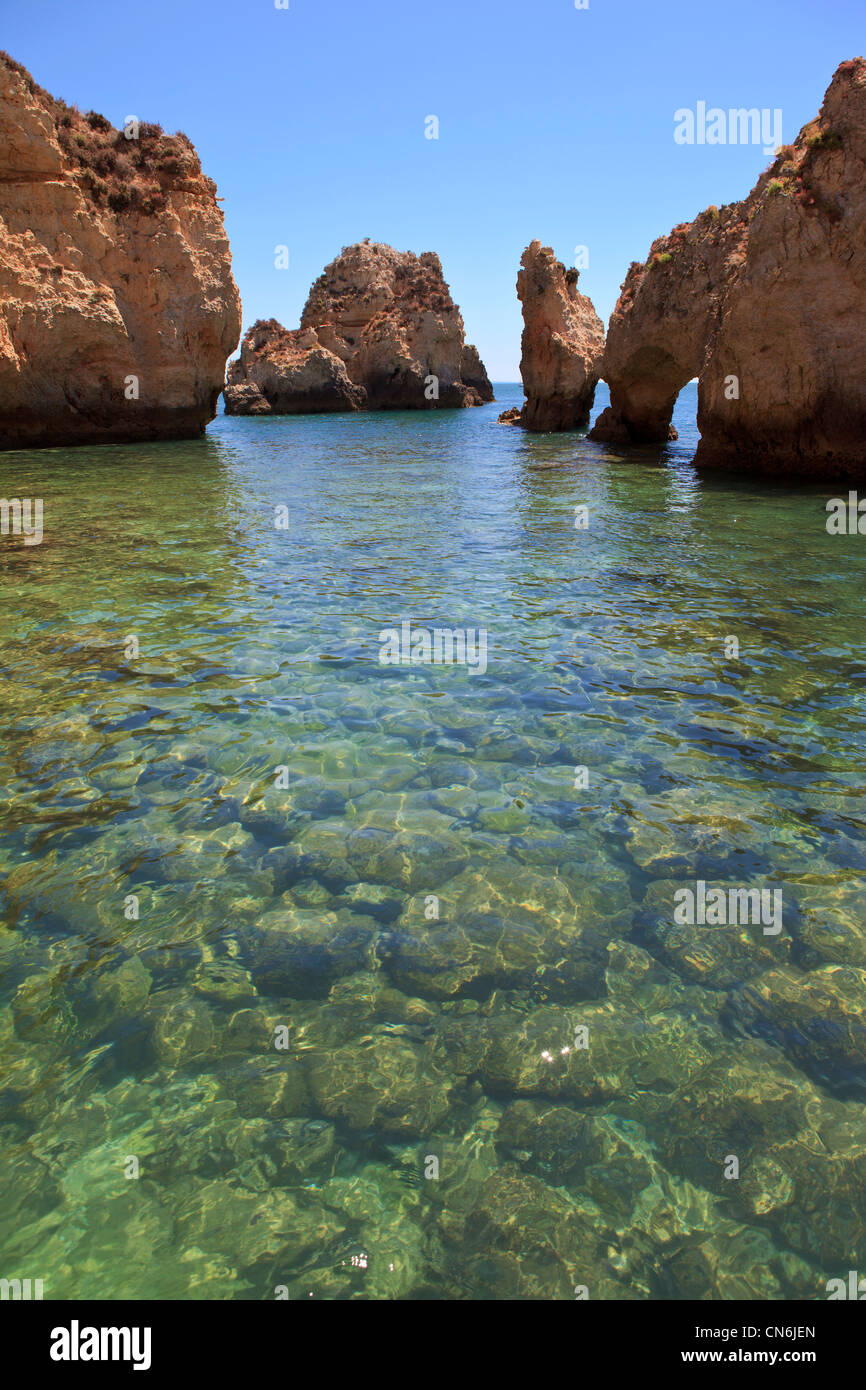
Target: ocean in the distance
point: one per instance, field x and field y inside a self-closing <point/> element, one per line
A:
<point x="321" y="977"/>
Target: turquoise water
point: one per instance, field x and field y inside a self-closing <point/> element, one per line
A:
<point x="242" y="1055"/>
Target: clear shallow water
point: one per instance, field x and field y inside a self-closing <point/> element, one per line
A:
<point x="413" y="1041"/>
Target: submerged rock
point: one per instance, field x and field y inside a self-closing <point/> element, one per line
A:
<point x="818" y="1018"/>
<point x="380" y="331"/>
<point x="496" y="929"/>
<point x="274" y="1227"/>
<point x="719" y="957"/>
<point x="113" y="997"/>
<point x="737" y="1105"/>
<point x="386" y="1082"/>
<point x="588" y="1054"/>
<point x="563" y="342"/>
<point x="763" y="301"/>
<point x="299" y="953"/>
<point x="267" y="1086"/>
<point x="117" y="304"/>
<point x="555" y="1142"/>
<point x="523" y="1239"/>
<point x="737" y="1262"/>
<point x="183" y="1031"/>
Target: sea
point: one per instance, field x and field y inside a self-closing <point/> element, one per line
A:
<point x="387" y="805"/>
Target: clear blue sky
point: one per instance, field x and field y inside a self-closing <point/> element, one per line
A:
<point x="555" y="122"/>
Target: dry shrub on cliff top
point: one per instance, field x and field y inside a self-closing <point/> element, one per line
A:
<point x="127" y="175"/>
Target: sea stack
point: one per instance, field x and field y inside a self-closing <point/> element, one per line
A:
<point x="117" y="304"/>
<point x="380" y="331"/>
<point x="764" y="301"/>
<point x="562" y="345"/>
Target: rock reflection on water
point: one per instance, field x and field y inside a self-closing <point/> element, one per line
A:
<point x="422" y="1024"/>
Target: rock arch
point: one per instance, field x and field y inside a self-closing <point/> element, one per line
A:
<point x="643" y="397"/>
<point x="764" y="302"/>
<point x="661" y="331"/>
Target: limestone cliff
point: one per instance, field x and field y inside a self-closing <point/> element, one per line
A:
<point x="562" y="345"/>
<point x="764" y="301"/>
<point x="379" y="332"/>
<point x="117" y="304"/>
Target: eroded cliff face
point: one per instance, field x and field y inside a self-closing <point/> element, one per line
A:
<point x="117" y="305"/>
<point x="764" y="301"/>
<point x="562" y="345"/>
<point x="379" y="332"/>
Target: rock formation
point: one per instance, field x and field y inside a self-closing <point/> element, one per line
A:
<point x="117" y="304"/>
<point x="562" y="345"/>
<point x="765" y="302"/>
<point x="380" y="331"/>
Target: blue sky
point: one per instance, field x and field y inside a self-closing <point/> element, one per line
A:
<point x="555" y="123"/>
